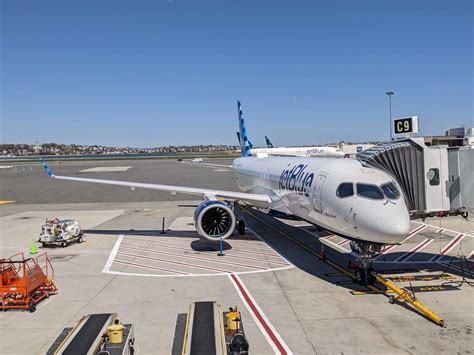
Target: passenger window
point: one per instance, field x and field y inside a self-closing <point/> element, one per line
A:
<point x="390" y="191"/>
<point x="369" y="191"/>
<point x="346" y="189"/>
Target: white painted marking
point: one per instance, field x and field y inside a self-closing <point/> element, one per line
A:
<point x="15" y="228"/>
<point x="468" y="234"/>
<point x="393" y="246"/>
<point x="174" y="262"/>
<point x="198" y="275"/>
<point x="112" y="254"/>
<point x="414" y="250"/>
<point x="334" y="245"/>
<point x="193" y="257"/>
<point x="158" y="248"/>
<point x="266" y="327"/>
<point x="106" y="169"/>
<point x="450" y="246"/>
<point x="154" y="268"/>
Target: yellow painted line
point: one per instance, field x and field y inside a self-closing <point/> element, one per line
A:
<point x="4" y="202"/>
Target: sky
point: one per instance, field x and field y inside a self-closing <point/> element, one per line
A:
<point x="155" y="73"/>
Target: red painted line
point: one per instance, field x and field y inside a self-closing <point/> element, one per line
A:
<point x="343" y="242"/>
<point x="150" y="267"/>
<point x="229" y="256"/>
<point x="416" y="230"/>
<point x="393" y="246"/>
<point x="448" y="247"/>
<point x="174" y="242"/>
<point x="259" y="316"/>
<point x="174" y="262"/>
<point x="196" y="258"/>
<point x="417" y="248"/>
<point x="451" y="245"/>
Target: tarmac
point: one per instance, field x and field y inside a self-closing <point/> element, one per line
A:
<point x="291" y="300"/>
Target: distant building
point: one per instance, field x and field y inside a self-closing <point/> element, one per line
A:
<point x="37" y="147"/>
<point x="454" y="137"/>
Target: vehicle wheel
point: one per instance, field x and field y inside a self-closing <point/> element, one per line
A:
<point x="391" y="299"/>
<point x="44" y="245"/>
<point x="241" y="227"/>
<point x="63" y="244"/>
<point x="32" y="306"/>
<point x="79" y="240"/>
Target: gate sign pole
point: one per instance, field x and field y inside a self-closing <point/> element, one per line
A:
<point x="406" y="125"/>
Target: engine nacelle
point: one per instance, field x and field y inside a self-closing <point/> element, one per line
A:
<point x="214" y="220"/>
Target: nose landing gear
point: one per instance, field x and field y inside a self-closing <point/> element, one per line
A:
<point x="365" y="251"/>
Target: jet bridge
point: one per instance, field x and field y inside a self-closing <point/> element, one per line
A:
<point x="434" y="181"/>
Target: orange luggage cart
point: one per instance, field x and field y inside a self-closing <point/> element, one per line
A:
<point x="25" y="282"/>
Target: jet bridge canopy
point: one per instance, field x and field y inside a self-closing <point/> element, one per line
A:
<point x="405" y="161"/>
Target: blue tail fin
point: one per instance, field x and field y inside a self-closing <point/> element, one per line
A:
<point x="245" y="145"/>
<point x="269" y="144"/>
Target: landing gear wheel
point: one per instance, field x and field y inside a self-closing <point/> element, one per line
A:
<point x="79" y="240"/>
<point x="360" y="277"/>
<point x="365" y="277"/>
<point x="63" y="244"/>
<point x="241" y="227"/>
<point x="32" y="306"/>
<point x="370" y="277"/>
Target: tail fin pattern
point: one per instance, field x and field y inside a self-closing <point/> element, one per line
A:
<point x="269" y="144"/>
<point x="244" y="141"/>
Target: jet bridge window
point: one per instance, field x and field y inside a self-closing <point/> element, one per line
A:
<point x="390" y="191"/>
<point x="433" y="176"/>
<point x="369" y="191"/>
<point x="346" y="189"/>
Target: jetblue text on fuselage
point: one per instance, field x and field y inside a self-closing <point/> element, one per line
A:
<point x="296" y="179"/>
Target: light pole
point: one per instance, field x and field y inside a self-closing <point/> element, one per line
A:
<point x="390" y="93"/>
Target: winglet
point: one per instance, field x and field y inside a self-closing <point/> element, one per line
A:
<point x="48" y="170"/>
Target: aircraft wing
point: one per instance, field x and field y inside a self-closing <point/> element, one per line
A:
<point x="258" y="200"/>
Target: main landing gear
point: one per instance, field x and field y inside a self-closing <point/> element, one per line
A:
<point x="241" y="227"/>
<point x="366" y="252"/>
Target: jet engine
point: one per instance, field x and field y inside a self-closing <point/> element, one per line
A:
<point x="214" y="220"/>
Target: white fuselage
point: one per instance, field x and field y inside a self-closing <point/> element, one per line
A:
<point x="300" y="151"/>
<point x="308" y="188"/>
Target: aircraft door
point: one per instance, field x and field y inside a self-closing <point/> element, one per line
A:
<point x="318" y="188"/>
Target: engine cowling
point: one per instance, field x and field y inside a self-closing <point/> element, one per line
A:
<point x="214" y="220"/>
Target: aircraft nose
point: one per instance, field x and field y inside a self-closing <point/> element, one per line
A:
<point x="397" y="228"/>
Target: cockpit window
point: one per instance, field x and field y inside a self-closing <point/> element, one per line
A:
<point x="390" y="191"/>
<point x="369" y="191"/>
<point x="346" y="189"/>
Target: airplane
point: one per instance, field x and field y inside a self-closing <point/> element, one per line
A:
<point x="269" y="144"/>
<point x="361" y="204"/>
<point x="294" y="151"/>
<point x="330" y="152"/>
